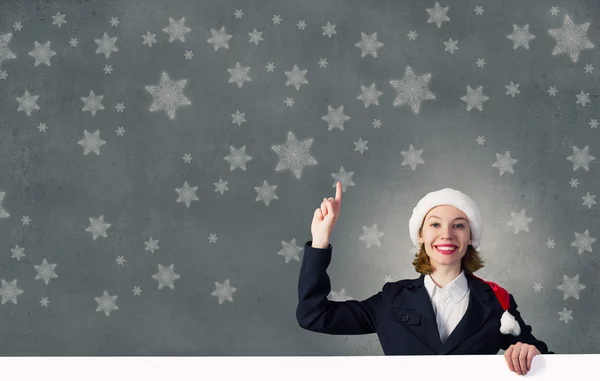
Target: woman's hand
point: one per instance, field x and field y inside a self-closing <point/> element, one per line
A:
<point x="519" y="356"/>
<point x="324" y="218"/>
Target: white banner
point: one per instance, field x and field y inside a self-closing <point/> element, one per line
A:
<point x="365" y="368"/>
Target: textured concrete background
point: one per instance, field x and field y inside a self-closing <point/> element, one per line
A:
<point x="212" y="270"/>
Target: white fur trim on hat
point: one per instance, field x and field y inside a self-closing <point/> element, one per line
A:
<point x="446" y="196"/>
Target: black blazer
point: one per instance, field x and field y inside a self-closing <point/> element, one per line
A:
<point x="402" y="314"/>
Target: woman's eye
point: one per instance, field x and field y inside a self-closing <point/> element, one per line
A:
<point x="435" y="223"/>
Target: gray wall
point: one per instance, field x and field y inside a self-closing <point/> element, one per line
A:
<point x="533" y="153"/>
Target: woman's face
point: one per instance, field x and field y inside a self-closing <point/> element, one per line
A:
<point x="448" y="225"/>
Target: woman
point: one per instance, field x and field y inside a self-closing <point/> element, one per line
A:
<point x="447" y="310"/>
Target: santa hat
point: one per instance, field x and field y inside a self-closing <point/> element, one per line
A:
<point x="508" y="323"/>
<point x="459" y="200"/>
<point x="446" y="196"/>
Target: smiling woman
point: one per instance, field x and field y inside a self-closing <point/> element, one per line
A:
<point x="447" y="310"/>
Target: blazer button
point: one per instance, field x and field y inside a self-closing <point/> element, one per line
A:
<point x="405" y="318"/>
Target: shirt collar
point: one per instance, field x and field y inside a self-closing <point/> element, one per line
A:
<point x="457" y="289"/>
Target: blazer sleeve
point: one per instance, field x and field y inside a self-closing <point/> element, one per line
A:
<point x="316" y="313"/>
<point x="526" y="336"/>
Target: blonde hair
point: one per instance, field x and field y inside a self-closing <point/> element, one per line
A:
<point x="470" y="262"/>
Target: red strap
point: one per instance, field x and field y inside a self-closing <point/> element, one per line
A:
<point x="501" y="294"/>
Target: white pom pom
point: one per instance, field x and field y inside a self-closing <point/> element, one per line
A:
<point x="508" y="324"/>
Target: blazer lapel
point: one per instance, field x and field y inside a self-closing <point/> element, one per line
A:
<point x="476" y="315"/>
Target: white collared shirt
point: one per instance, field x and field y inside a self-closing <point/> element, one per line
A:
<point x="449" y="303"/>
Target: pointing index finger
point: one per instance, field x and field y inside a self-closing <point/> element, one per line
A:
<point x="338" y="191"/>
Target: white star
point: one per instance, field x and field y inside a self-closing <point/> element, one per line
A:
<point x="520" y="37"/>
<point x="270" y="67"/>
<point x="339" y="296"/>
<point x="187" y="158"/>
<point x="5" y="53"/>
<point x="480" y="62"/>
<point x="73" y="42"/>
<point x="296" y="77"/>
<point x="45" y="271"/>
<point x="322" y="62"/>
<point x="106" y="303"/>
<point x="583" y="242"/>
<point x="412" y="157"/>
<point x="474" y="98"/>
<point x="519" y="221"/>
<point x="9" y="291"/>
<point x="255" y="36"/>
<point x="107" y="69"/>
<point x="412" y="90"/>
<point x="166" y="277"/>
<point x="58" y="19"/>
<point x="451" y="46"/>
<point x="554" y="11"/>
<point x="91" y="142"/>
<point x="149" y="39"/>
<point x="106" y="45"/>
<point x="371" y="236"/>
<point x="176" y="30"/>
<point x="412" y="35"/>
<point x="168" y="95"/>
<point x="571" y="287"/>
<point x="219" y="38"/>
<point x="42" y="127"/>
<point x="361" y="145"/>
<point x="512" y="89"/>
<point x="239" y="74"/>
<point x="571" y="39"/>
<point x="188" y="54"/>
<point x="437" y="14"/>
<point x="28" y="103"/>
<point x="98" y="227"/>
<point x="552" y="90"/>
<point x="335" y="118"/>
<point x="42" y="53"/>
<point x="187" y="194"/>
<point x="582" y="98"/>
<point x="581" y="158"/>
<point x="92" y="103"/>
<point x="238" y="117"/>
<point x="289" y="101"/>
<point x="114" y="21"/>
<point x="368" y="44"/>
<point x="120" y="131"/>
<point x="565" y="315"/>
<point x="3" y="212"/>
<point x="478" y="10"/>
<point x="329" y="30"/>
<point x="18" y="26"/>
<point x="369" y="95"/>
<point x="301" y="24"/>
<point x="224" y="291"/>
<point x="294" y="155"/>
<point x="237" y="158"/>
<point x="18" y="253"/>
<point x="290" y="250"/>
<point x="276" y="19"/>
<point x="238" y="13"/>
<point x="120" y="107"/>
<point x="588" y="68"/>
<point x="151" y="245"/>
<point x="266" y="193"/>
<point x="3" y="74"/>
<point x="504" y="163"/>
